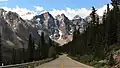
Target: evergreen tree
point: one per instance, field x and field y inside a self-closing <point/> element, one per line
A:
<point x="30" y="48"/>
<point x="34" y="51"/>
<point x="0" y="50"/>
<point x="115" y="2"/>
<point x="112" y="29"/>
<point x="108" y="8"/>
<point x="111" y="60"/>
<point x="93" y="30"/>
<point x="14" y="56"/>
<point x="23" y="55"/>
<point x="50" y="42"/>
<point x="43" y="51"/>
<point x="52" y="49"/>
<point x="78" y="31"/>
<point x="98" y="37"/>
<point x="93" y="15"/>
<point x="40" y="49"/>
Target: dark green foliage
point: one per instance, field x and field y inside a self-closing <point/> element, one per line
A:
<point x="45" y="49"/>
<point x="117" y="2"/>
<point x="14" y="56"/>
<point x="40" y="53"/>
<point x="34" y="52"/>
<point x="108" y="8"/>
<point x="97" y="37"/>
<point x="51" y="52"/>
<point x="111" y="60"/>
<point x="0" y="50"/>
<point x="23" y="55"/>
<point x="30" y="48"/>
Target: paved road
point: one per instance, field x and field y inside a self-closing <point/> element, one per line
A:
<point x="63" y="62"/>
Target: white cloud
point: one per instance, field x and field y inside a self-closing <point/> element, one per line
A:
<point x="69" y="12"/>
<point x="23" y="12"/>
<point x="100" y="11"/>
<point x="38" y="8"/>
<point x="3" y="0"/>
<point x="83" y="12"/>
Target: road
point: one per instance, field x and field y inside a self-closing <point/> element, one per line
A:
<point x="63" y="62"/>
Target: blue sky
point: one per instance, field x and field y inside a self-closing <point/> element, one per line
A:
<point x="57" y="4"/>
<point x="69" y="7"/>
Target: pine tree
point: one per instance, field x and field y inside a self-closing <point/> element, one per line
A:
<point x="52" y="50"/>
<point x="118" y="26"/>
<point x="14" y="56"/>
<point x="0" y="50"/>
<point x="40" y="49"/>
<point x="115" y="2"/>
<point x="108" y="8"/>
<point x="43" y="45"/>
<point x="33" y="50"/>
<point x="97" y="37"/>
<point x="93" y="15"/>
<point x="78" y="31"/>
<point x="30" y="48"/>
<point x="116" y="12"/>
<point x="111" y="60"/>
<point x="50" y="42"/>
<point x="23" y="55"/>
<point x="92" y="31"/>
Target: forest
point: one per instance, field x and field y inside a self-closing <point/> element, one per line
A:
<point x="33" y="53"/>
<point x="98" y="41"/>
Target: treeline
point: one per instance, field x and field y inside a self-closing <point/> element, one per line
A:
<point x="97" y="37"/>
<point x="34" y="52"/>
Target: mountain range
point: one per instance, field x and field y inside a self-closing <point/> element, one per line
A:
<point x="15" y="30"/>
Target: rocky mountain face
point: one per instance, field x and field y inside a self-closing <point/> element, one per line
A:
<point x="79" y="23"/>
<point x="15" y="30"/>
<point x="64" y="25"/>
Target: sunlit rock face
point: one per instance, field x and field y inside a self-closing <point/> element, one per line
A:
<point x="64" y="25"/>
<point x="47" y="21"/>
<point x="15" y="30"/>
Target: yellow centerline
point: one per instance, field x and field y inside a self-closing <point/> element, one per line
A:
<point x="62" y="65"/>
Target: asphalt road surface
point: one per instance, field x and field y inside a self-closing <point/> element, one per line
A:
<point x="63" y="62"/>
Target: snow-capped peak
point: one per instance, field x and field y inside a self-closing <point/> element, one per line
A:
<point x="43" y="11"/>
